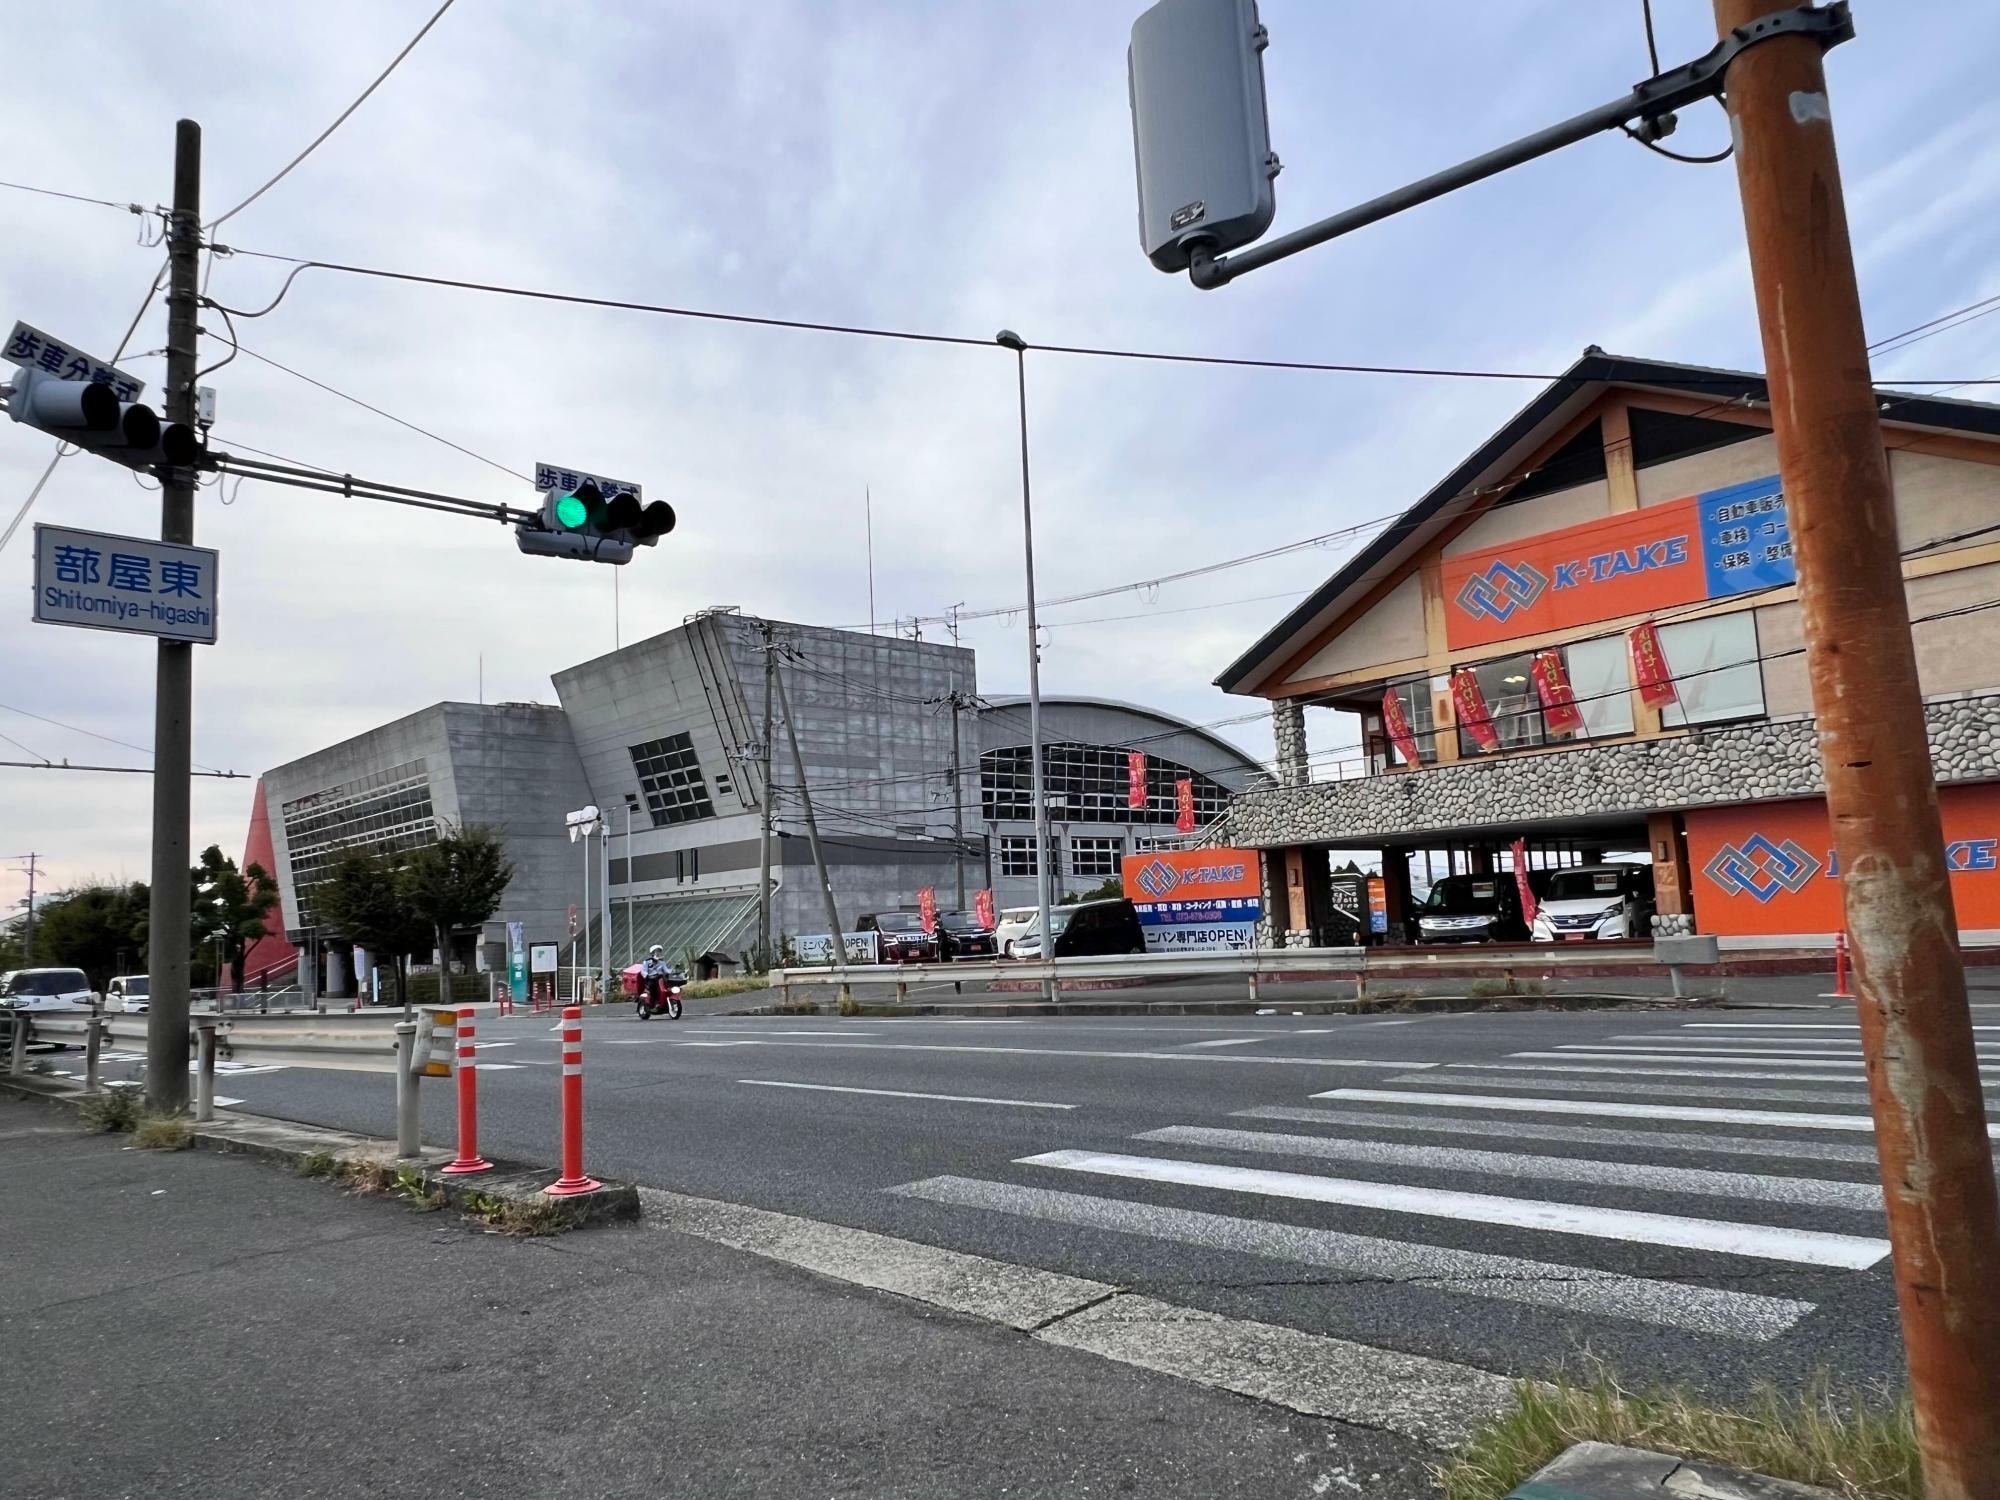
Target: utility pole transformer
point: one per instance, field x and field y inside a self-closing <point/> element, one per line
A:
<point x="1881" y="792"/>
<point x="173" y="693"/>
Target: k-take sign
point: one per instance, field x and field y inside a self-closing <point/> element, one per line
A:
<point x="1705" y="546"/>
<point x="1772" y="868"/>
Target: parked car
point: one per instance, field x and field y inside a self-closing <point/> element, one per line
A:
<point x="1016" y="922"/>
<point x="1595" y="901"/>
<point x="46" y="989"/>
<point x="1472" y="909"/>
<point x="960" y="935"/>
<point x="901" y="938"/>
<point x="1090" y="927"/>
<point x="128" y="992"/>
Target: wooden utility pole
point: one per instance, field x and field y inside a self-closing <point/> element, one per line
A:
<point x="1881" y="793"/>
<point x="173" y="689"/>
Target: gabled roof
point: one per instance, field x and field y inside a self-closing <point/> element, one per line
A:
<point x="1500" y="457"/>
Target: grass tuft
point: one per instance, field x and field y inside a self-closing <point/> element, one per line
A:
<point x="712" y="989"/>
<point x="516" y="1216"/>
<point x="318" y="1164"/>
<point x="1485" y="989"/>
<point x="1838" y="1441"/>
<point x="413" y="1190"/>
<point x="109" y="1110"/>
<point x="848" y="1006"/>
<point x="160" y="1132"/>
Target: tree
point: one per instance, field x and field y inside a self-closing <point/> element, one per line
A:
<point x="361" y="899"/>
<point x="232" y="905"/>
<point x="455" y="883"/>
<point x="98" y="928"/>
<point x="1115" y="886"/>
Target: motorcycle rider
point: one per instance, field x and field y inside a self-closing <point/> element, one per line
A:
<point x="654" y="973"/>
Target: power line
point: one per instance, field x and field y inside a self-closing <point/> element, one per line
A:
<point x="339" y="120"/>
<point x="63" y="765"/>
<point x="26" y="187"/>
<point x="1881" y="343"/>
<point x="90" y="733"/>
<point x="378" y="411"/>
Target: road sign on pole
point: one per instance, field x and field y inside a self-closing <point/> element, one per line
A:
<point x="100" y="581"/>
<point x="31" y="349"/>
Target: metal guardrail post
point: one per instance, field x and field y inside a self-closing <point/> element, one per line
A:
<point x="408" y="1133"/>
<point x="17" y="1044"/>
<point x="1253" y="982"/>
<point x="204" y="1077"/>
<point x="93" y="1048"/>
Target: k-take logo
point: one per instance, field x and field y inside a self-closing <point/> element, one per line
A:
<point x="1759" y="868"/>
<point x="1159" y="879"/>
<point x="1502" y="591"/>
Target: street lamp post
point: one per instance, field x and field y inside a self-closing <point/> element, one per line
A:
<point x="631" y="937"/>
<point x="1009" y="339"/>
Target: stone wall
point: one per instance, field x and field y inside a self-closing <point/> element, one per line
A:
<point x="1759" y="762"/>
<point x="1288" y="730"/>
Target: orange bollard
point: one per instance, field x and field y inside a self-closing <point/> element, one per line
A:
<point x="468" y="1158"/>
<point x="572" y="1183"/>
<point x="1840" y="989"/>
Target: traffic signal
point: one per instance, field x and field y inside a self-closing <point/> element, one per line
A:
<point x="90" y="415"/>
<point x="583" y="524"/>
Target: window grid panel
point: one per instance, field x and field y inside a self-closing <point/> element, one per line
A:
<point x="670" y="780"/>
<point x="1097" y="857"/>
<point x="1087" y="784"/>
<point x="383" y="812"/>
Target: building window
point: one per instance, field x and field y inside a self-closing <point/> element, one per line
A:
<point x="670" y="778"/>
<point x="1017" y="854"/>
<point x="1599" y="675"/>
<point x="1716" y="673"/>
<point x="1088" y="784"/>
<point x="1418" y="697"/>
<point x="1511" y="704"/>
<point x="383" y="812"/>
<point x="1097" y="858"/>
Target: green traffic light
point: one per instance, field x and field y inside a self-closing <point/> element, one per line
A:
<point x="572" y="512"/>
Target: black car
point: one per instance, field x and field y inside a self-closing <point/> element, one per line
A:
<point x="1472" y="909"/>
<point x="900" y="939"/>
<point x="1100" y="927"/>
<point x="960" y="935"/>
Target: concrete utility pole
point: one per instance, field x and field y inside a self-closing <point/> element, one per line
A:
<point x="173" y="690"/>
<point x="28" y="931"/>
<point x="1881" y="793"/>
<point x="766" y="949"/>
<point x="957" y="802"/>
<point x="839" y="953"/>
<point x="1009" y="339"/>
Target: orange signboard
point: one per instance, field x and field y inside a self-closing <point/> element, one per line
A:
<point x="1771" y="868"/>
<point x="1193" y="875"/>
<point x="1622" y="565"/>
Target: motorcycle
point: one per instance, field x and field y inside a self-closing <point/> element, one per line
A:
<point x="660" y="996"/>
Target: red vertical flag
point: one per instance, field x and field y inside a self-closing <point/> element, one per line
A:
<point x="1398" y="725"/>
<point x="1135" y="778"/>
<point x="1470" y="704"/>
<point x="1528" y="904"/>
<point x="982" y="907"/>
<point x="1559" y="710"/>
<point x="1184" y="805"/>
<point x="1649" y="665"/>
<point x="927" y="907"/>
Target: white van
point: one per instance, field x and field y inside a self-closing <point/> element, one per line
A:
<point x="1600" y="902"/>
<point x="1015" y="923"/>
<point x="131" y="993"/>
<point x="46" y="989"/>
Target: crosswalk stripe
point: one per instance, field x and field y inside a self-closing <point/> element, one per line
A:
<point x="1580" y="1135"/>
<point x="1087" y="1052"/>
<point x="1757" y="1241"/>
<point x="1793" y="1025"/>
<point x="1798" y="1045"/>
<point x="1746" y="1060"/>
<point x="1631" y="1072"/>
<point x="1801" y="1192"/>
<point x="1856" y="1096"/>
<point x="1506" y="1278"/>
<point x="1795" y="1119"/>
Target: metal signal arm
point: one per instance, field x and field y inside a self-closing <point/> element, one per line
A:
<point x="1648" y="103"/>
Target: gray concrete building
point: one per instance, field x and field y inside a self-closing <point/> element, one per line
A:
<point x="915" y="782"/>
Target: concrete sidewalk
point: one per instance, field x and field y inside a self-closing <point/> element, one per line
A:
<point x="203" y="1324"/>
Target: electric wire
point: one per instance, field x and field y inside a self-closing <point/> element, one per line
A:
<point x="88" y="733"/>
<point x="28" y="187"/>
<point x="1653" y="55"/>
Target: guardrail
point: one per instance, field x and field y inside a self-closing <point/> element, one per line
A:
<point x="1251" y="965"/>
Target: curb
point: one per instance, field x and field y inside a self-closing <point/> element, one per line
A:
<point x="289" y="1144"/>
<point x="1604" y="1471"/>
<point x="1423" y="1004"/>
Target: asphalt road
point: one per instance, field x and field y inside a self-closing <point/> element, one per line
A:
<point x="1688" y="1195"/>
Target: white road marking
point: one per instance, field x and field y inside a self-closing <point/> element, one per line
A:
<point x="1797" y="1120"/>
<point x="1805" y="1192"/>
<point x="1746" y="1056"/>
<point x="1664" y="1089"/>
<point x="1799" y="1025"/>
<point x="1631" y="1072"/>
<point x="1229" y="1041"/>
<point x="1410" y="1022"/>
<point x="1757" y="1241"/>
<point x="1583" y="1135"/>
<point x="1441" y="1268"/>
<point x="834" y="1088"/>
<point x="1184" y="1057"/>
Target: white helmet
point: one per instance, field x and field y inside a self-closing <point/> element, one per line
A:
<point x="656" y="951"/>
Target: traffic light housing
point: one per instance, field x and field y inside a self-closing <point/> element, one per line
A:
<point x="584" y="524"/>
<point x="89" y="415"/>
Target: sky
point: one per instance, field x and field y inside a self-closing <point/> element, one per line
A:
<point x="952" y="169"/>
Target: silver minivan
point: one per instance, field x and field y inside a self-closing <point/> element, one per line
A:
<point x="46" y="989"/>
